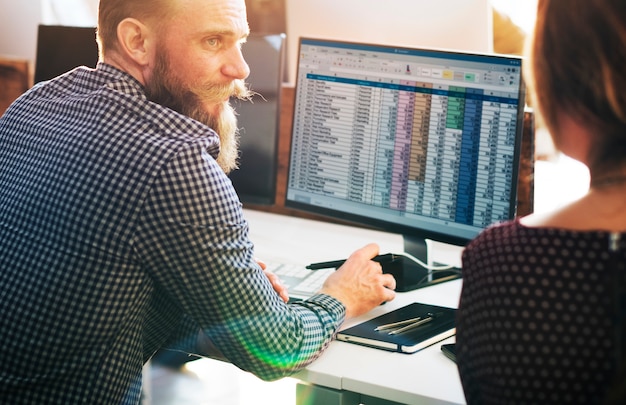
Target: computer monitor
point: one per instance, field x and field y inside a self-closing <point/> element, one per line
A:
<point x="259" y="120"/>
<point x="465" y="25"/>
<point x="62" y="48"/>
<point x="425" y="143"/>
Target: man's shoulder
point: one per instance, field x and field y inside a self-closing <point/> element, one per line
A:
<point x="120" y="100"/>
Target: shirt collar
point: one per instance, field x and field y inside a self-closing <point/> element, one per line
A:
<point x="170" y="120"/>
<point x="121" y="81"/>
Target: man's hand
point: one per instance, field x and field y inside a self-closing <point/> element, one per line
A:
<point x="359" y="283"/>
<point x="279" y="287"/>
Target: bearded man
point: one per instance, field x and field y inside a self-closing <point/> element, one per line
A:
<point x="120" y="233"/>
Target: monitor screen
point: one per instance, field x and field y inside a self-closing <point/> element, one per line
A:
<point x="425" y="143"/>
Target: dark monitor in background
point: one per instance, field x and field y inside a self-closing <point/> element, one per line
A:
<point x="259" y="119"/>
<point x="62" y="48"/>
<point x="424" y="143"/>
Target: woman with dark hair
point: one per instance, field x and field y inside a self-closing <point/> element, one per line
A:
<point x="540" y="318"/>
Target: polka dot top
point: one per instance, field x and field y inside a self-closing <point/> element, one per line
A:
<point x="535" y="320"/>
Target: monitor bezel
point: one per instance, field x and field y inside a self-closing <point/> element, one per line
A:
<point x="416" y="232"/>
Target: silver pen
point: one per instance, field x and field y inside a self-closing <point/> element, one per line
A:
<point x="412" y="325"/>
<point x="397" y="324"/>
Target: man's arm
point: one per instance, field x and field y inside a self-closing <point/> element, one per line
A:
<point x="194" y="241"/>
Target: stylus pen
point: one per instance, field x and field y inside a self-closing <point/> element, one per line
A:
<point x="388" y="257"/>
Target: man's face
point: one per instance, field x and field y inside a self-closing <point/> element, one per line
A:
<point x="199" y="66"/>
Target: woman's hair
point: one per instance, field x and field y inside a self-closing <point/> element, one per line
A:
<point x="578" y="68"/>
<point x="112" y="12"/>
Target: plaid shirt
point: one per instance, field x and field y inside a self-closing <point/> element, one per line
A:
<point x="119" y="234"/>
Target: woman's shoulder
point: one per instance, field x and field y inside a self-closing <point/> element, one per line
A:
<point x="502" y="232"/>
<point x="528" y="241"/>
<point x="592" y="212"/>
<point x="515" y="235"/>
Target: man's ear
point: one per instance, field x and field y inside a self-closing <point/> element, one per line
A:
<point x="135" y="40"/>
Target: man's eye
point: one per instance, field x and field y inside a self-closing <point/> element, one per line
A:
<point x="213" y="42"/>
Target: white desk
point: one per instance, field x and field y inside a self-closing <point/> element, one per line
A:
<point x="353" y="374"/>
<point x="349" y="374"/>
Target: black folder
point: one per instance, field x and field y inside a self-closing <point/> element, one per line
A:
<point x="411" y="341"/>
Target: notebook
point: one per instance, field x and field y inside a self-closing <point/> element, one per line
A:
<point x="410" y="341"/>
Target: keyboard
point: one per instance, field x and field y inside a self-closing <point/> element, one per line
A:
<point x="300" y="281"/>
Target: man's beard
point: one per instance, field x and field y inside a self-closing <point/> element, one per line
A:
<point x="189" y="99"/>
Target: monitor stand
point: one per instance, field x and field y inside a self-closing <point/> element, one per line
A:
<point x="410" y="275"/>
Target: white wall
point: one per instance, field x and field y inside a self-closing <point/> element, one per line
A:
<point x="77" y="13"/>
<point x="19" y="20"/>
<point x="453" y="24"/>
<point x="18" y="28"/>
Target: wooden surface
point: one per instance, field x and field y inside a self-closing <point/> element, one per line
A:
<point x="526" y="173"/>
<point x="526" y="180"/>
<point x="14" y="80"/>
